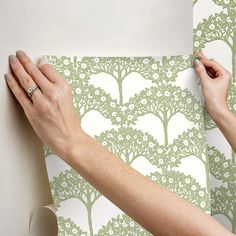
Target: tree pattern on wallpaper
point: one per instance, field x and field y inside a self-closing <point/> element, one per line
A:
<point x="222" y="26"/>
<point x="163" y="100"/>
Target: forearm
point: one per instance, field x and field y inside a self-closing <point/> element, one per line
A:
<point x="154" y="207"/>
<point x="226" y="122"/>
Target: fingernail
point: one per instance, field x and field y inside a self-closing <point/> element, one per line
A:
<point x="20" y="53"/>
<point x="12" y="58"/>
<point x="7" y="77"/>
<point x="198" y="54"/>
<point x="43" y="61"/>
<point x="197" y="62"/>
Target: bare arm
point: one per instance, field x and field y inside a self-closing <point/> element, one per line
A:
<point x="157" y="209"/>
<point x="226" y="121"/>
<point x="53" y="118"/>
<point x="215" y="81"/>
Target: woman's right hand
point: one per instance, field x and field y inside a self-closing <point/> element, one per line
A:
<point x="215" y="81"/>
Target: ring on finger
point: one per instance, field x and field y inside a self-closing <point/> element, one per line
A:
<point x="31" y="90"/>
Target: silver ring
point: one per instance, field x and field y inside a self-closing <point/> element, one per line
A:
<point x="31" y="90"/>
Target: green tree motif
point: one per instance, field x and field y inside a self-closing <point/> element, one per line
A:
<point x="190" y="143"/>
<point x="122" y="225"/>
<point x="119" y="68"/>
<point x="223" y="203"/>
<point x="220" y="26"/>
<point x="166" y="69"/>
<point x="87" y="98"/>
<point x="164" y="102"/>
<point x="224" y="198"/>
<point x="230" y="6"/>
<point x="71" y="68"/>
<point x="129" y="143"/>
<point x="209" y="123"/>
<point x="185" y="186"/>
<point x="66" y="227"/>
<point x="150" y="68"/>
<point x="221" y="168"/>
<point x="69" y="184"/>
<point x="232" y="96"/>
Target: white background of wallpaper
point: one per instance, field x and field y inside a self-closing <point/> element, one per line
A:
<point x="60" y="27"/>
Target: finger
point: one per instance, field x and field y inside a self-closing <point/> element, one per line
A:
<point x="210" y="73"/>
<point x="33" y="71"/>
<point x="18" y="92"/>
<point x="201" y="70"/>
<point x="220" y="70"/>
<point x="200" y="54"/>
<point x="208" y="62"/>
<point x="23" y="77"/>
<point x="50" y="73"/>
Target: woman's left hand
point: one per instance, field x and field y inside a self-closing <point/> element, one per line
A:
<point x="50" y="111"/>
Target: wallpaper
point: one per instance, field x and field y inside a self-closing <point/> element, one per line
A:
<point x="215" y="34"/>
<point x="149" y="112"/>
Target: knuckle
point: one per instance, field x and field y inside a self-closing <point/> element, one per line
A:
<point x="68" y="89"/>
<point x="35" y="73"/>
<point x="60" y="79"/>
<point x="65" y="88"/>
<point x="45" y="67"/>
<point x="199" y="68"/>
<point x="54" y="96"/>
<point x="17" y="68"/>
<point x="13" y="88"/>
<point x="43" y="107"/>
<point x="19" y="94"/>
<point x="25" y="82"/>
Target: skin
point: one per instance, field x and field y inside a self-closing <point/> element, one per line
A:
<point x="215" y="81"/>
<point x="52" y="116"/>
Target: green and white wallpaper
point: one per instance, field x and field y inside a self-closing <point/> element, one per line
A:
<point x="149" y="112"/>
<point x="215" y="34"/>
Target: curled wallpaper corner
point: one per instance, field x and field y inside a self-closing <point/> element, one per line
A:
<point x="44" y="222"/>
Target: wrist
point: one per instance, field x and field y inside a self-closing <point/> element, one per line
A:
<point x="74" y="145"/>
<point x="219" y="114"/>
<point x="217" y="110"/>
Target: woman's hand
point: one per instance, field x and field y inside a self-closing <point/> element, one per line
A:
<point x="215" y="81"/>
<point x="50" y="112"/>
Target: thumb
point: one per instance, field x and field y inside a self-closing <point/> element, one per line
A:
<point x="201" y="70"/>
